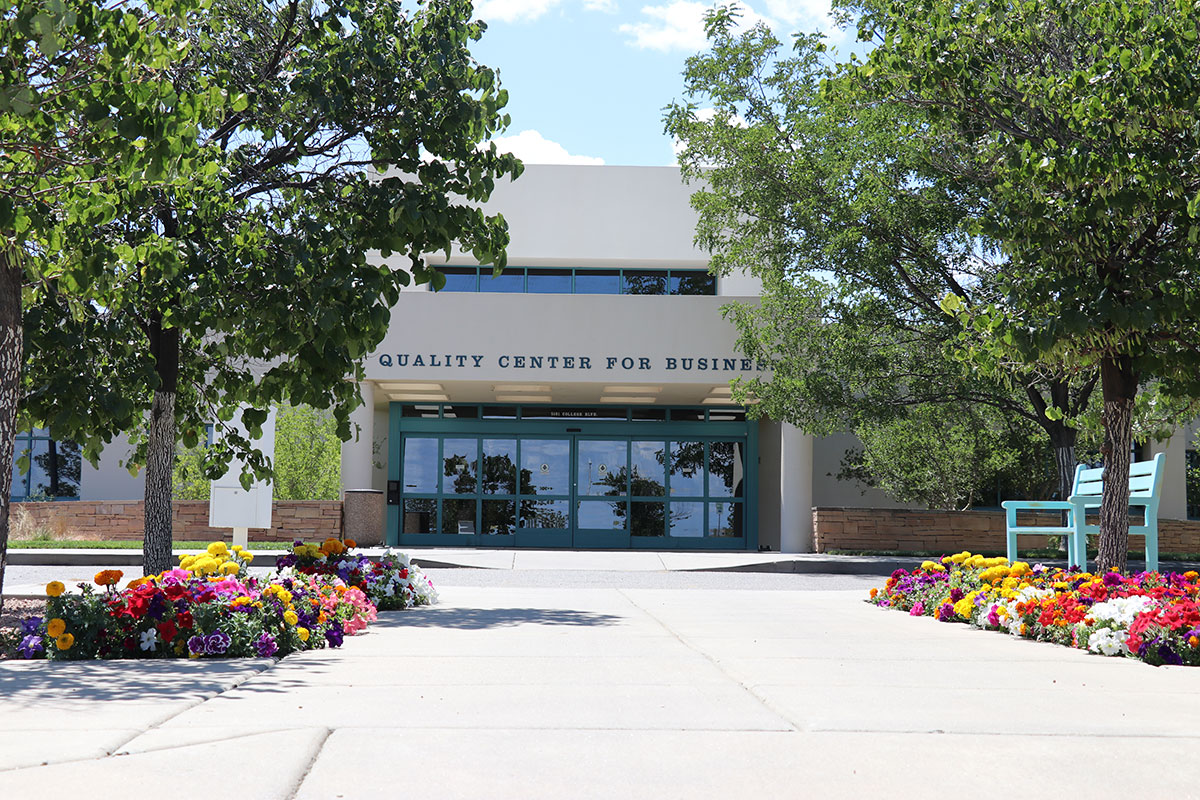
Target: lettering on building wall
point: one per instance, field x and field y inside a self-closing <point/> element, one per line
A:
<point x="613" y="363"/>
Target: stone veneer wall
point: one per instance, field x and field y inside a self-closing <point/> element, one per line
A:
<point x="310" y="520"/>
<point x="952" y="531"/>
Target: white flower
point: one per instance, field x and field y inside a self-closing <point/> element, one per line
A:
<point x="149" y="639"/>
<point x="1121" y="610"/>
<point x="1108" y="642"/>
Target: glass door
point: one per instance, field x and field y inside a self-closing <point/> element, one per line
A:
<point x="601" y="492"/>
<point x="544" y="492"/>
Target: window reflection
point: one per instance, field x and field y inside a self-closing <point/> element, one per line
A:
<point x="687" y="520"/>
<point x="420" y="516"/>
<point x="600" y="515"/>
<point x="649" y="469"/>
<point x="601" y="467"/>
<point x="545" y="466"/>
<point x="648" y="519"/>
<point x="725" y="471"/>
<point x="725" y="519"/>
<point x="687" y="469"/>
<point x="420" y="464"/>
<point x="458" y="516"/>
<point x="499" y="517"/>
<point x="499" y="466"/>
<point x="460" y="279"/>
<point x="459" y="459"/>
<point x="598" y="281"/>
<point x="549" y="281"/>
<point x="552" y="514"/>
<point x="508" y="282"/>
<point x="646" y="282"/>
<point x="697" y="283"/>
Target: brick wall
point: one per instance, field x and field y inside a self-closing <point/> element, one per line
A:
<point x="952" y="531"/>
<point x="310" y="520"/>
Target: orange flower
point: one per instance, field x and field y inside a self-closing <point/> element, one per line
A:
<point x="65" y="642"/>
<point x="55" y="588"/>
<point x="351" y="543"/>
<point x="55" y="627"/>
<point x="873" y="593"/>
<point x="136" y="582"/>
<point x="108" y="577"/>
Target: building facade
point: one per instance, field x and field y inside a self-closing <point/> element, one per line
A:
<point x="581" y="399"/>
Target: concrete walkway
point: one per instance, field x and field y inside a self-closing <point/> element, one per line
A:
<point x="587" y="693"/>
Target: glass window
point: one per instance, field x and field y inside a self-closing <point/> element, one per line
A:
<point x="420" y="464"/>
<point x="649" y="414"/>
<point x="549" y="281"/>
<point x="421" y="412"/>
<point x="499" y="466"/>
<point x="687" y="469"/>
<point x="725" y="470"/>
<point x="545" y="466"/>
<point x="53" y="469"/>
<point x="572" y="412"/>
<point x="696" y="282"/>
<point x="420" y="516"/>
<point x="459" y="460"/>
<point x="687" y="520"/>
<point x="602" y="467"/>
<point x="725" y="519"/>
<point x="601" y="515"/>
<point x="644" y="282"/>
<point x="598" y="281"/>
<point x="499" y="517"/>
<point x="460" y="279"/>
<point x="726" y="415"/>
<point x="552" y="514"/>
<point x="511" y="281"/>
<point x="460" y="412"/>
<point x="499" y="412"/>
<point x="648" y="519"/>
<point x="458" y="516"/>
<point x="649" y="471"/>
<point x="688" y="414"/>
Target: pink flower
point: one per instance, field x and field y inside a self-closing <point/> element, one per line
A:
<point x="917" y="610"/>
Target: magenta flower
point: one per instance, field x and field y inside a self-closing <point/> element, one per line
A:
<point x="917" y="610"/>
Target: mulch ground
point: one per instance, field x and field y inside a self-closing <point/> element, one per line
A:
<point x="10" y="622"/>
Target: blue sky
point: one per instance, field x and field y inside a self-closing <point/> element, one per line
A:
<point x="588" y="79"/>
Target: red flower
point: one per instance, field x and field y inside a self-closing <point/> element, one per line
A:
<point x="184" y="618"/>
<point x="167" y="630"/>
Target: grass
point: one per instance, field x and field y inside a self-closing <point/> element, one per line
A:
<point x="111" y="544"/>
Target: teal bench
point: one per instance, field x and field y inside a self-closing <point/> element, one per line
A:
<point x="1145" y="489"/>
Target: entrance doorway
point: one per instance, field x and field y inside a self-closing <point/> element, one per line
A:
<point x="656" y="487"/>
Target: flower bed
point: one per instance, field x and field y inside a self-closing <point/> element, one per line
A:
<point x="211" y="607"/>
<point x="1150" y="616"/>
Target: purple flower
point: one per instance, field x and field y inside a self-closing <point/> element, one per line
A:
<point x="30" y="625"/>
<point x="30" y="646"/>
<point x="216" y="643"/>
<point x="956" y="594"/>
<point x="945" y="612"/>
<point x="899" y="573"/>
<point x="1169" y="656"/>
<point x="334" y="635"/>
<point x="1112" y="578"/>
<point x="265" y="645"/>
<point x="196" y="645"/>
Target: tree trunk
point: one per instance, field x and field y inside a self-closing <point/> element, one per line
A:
<point x="1119" y="385"/>
<point x="160" y="451"/>
<point x="12" y="342"/>
<point x="1062" y="439"/>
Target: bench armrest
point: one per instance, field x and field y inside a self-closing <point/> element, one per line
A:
<point x="1036" y="505"/>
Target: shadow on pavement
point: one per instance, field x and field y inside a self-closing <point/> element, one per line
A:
<point x="482" y="618"/>
<point x="144" y="681"/>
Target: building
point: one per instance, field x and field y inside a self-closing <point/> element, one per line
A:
<point x="581" y="398"/>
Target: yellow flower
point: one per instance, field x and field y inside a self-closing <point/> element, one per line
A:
<point x="55" y="588"/>
<point x="290" y="617"/>
<point x="55" y="627"/>
<point x="303" y="633"/>
<point x="239" y="601"/>
<point x="230" y="568"/>
<point x="217" y="549"/>
<point x="65" y="642"/>
<point x="237" y="548"/>
<point x="247" y="556"/>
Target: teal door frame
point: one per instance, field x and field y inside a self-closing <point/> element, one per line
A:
<point x="575" y="429"/>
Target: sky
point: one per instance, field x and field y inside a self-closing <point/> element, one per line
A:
<point x="588" y="79"/>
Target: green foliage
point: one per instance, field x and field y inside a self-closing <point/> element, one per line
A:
<point x="308" y="455"/>
<point x="856" y="236"/>
<point x="948" y="459"/>
<point x="190" y="482"/>
<point x="251" y="285"/>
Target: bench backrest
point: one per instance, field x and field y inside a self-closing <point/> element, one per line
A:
<point x="1145" y="479"/>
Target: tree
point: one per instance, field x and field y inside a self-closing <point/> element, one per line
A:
<point x="308" y="455"/>
<point x="1086" y="117"/>
<point x="266" y="292"/>
<point x="87" y="120"/>
<point x="856" y="236"/>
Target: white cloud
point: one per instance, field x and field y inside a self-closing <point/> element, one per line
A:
<point x="533" y="148"/>
<point x="603" y="6"/>
<point x="513" y="10"/>
<point x="678" y="26"/>
<point x="813" y="13"/>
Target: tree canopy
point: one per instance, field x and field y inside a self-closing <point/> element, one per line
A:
<point x="360" y="133"/>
